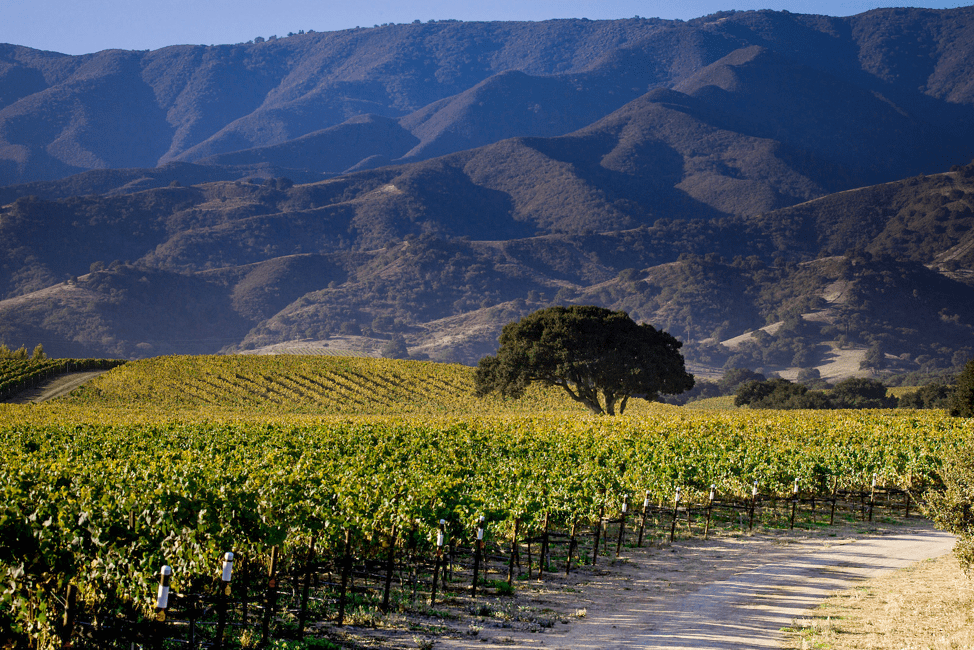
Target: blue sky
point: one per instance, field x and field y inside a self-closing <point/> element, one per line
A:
<point x="82" y="26"/>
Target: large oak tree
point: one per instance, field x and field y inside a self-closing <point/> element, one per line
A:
<point x="600" y="357"/>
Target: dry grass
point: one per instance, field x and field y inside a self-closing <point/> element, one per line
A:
<point x="929" y="605"/>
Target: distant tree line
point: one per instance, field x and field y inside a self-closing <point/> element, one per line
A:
<point x="778" y="393"/>
<point x="754" y="390"/>
<point x="21" y="353"/>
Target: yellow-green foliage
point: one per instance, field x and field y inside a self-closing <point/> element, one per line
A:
<point x="712" y="403"/>
<point x="303" y="384"/>
<point x="207" y="454"/>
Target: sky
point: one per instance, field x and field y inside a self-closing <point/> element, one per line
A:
<point x="84" y="26"/>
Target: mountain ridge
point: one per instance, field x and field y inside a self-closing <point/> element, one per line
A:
<point x="287" y="88"/>
<point x="437" y="180"/>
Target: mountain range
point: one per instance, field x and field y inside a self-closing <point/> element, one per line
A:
<point x="778" y="190"/>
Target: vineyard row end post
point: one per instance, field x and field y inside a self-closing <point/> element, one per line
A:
<point x="477" y="550"/>
<point x="223" y="596"/>
<point x="622" y="524"/>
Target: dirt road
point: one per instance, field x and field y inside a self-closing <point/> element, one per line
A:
<point x="61" y="385"/>
<point x="730" y="593"/>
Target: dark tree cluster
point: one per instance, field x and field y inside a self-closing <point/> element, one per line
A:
<point x="778" y="393"/>
<point x="962" y="400"/>
<point x="726" y="385"/>
<point x="931" y="396"/>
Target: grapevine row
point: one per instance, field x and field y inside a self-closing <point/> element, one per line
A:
<point x="337" y="385"/>
<point x="103" y="506"/>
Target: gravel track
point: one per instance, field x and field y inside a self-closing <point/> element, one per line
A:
<point x="725" y="594"/>
<point x="60" y="385"/>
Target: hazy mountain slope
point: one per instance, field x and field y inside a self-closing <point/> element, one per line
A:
<point x="479" y="195"/>
<point x="389" y="71"/>
<point x="102" y="115"/>
<point x="127" y="181"/>
<point x="46" y="242"/>
<point x="927" y="219"/>
<point x="763" y="94"/>
<point x="125" y="311"/>
<point x="506" y="105"/>
<point x="332" y="150"/>
<point x="275" y="264"/>
<point x="261" y="290"/>
<point x="61" y="114"/>
<point x="661" y="155"/>
<point x="71" y="113"/>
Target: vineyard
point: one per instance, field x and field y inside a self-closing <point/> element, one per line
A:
<point x="275" y="385"/>
<point x="176" y="461"/>
<point x="17" y="374"/>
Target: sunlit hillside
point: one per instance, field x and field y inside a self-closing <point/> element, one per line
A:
<point x="256" y="385"/>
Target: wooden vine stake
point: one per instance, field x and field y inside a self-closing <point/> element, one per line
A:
<point x="162" y="603"/>
<point x="676" y="512"/>
<point x="754" y="501"/>
<point x="642" y="523"/>
<point x="598" y="532"/>
<point x="510" y="563"/>
<point x="390" y="568"/>
<point x="478" y="550"/>
<point x="710" y="510"/>
<point x="221" y="599"/>
<point x="572" y="545"/>
<point x="306" y="589"/>
<point x="346" y="569"/>
<point x="270" y="599"/>
<point x="440" y="535"/>
<point x="622" y="524"/>
<point x="872" y="498"/>
<point x="794" y="504"/>
<point x="70" y="612"/>
<point x="835" y="487"/>
<point x="542" y="560"/>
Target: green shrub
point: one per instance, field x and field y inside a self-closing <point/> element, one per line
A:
<point x="502" y="587"/>
<point x="951" y="509"/>
<point x="931" y="396"/>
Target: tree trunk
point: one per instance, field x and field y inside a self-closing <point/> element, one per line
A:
<point x="595" y="407"/>
<point x="622" y="404"/>
<point x="592" y="404"/>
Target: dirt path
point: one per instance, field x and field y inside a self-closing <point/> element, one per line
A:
<point x="730" y="593"/>
<point x="60" y="385"/>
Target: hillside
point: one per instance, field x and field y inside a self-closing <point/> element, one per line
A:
<point x="245" y="386"/>
<point x="885" y="268"/>
<point x="435" y="181"/>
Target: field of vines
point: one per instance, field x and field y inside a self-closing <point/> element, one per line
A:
<point x="16" y="374"/>
<point x="178" y="460"/>
<point x="274" y="385"/>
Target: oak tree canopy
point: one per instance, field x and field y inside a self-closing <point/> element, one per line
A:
<point x="600" y="357"/>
